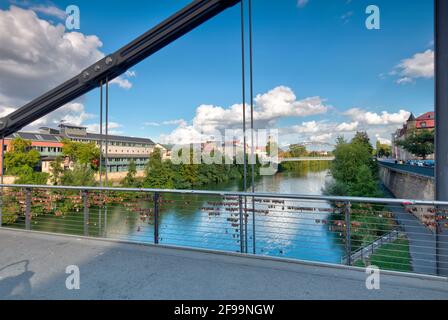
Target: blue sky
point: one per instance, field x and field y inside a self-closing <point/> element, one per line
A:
<point x="320" y="49"/>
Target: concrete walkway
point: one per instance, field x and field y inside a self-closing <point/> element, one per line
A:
<point x="32" y="266"/>
<point x="422" y="242"/>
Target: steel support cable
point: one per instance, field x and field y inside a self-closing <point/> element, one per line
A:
<point x="106" y="160"/>
<point x="107" y="132"/>
<point x="251" y="89"/>
<point x="101" y="134"/>
<point x="243" y="81"/>
<point x="101" y="147"/>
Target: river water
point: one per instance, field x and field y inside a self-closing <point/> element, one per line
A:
<point x="282" y="229"/>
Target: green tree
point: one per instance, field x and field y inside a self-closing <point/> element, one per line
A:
<point x="349" y="157"/>
<point x="83" y="153"/>
<point x="34" y="178"/>
<point x="130" y="180"/>
<point x="56" y="170"/>
<point x="420" y="144"/>
<point x="365" y="184"/>
<point x="158" y="174"/>
<point x="383" y="150"/>
<point x="22" y="159"/>
<point x="81" y="175"/>
<point x="361" y="137"/>
<point x="165" y="174"/>
<point x="353" y="169"/>
<point x="297" y="150"/>
<point x="340" y="140"/>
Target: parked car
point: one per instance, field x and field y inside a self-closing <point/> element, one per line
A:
<point x="429" y="163"/>
<point x="421" y="163"/>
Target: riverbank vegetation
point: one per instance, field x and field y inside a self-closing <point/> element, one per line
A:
<point x="299" y="150"/>
<point x="355" y="173"/>
<point x="165" y="174"/>
<point x="80" y="163"/>
<point x="22" y="161"/>
<point x="301" y="168"/>
<point x="391" y="256"/>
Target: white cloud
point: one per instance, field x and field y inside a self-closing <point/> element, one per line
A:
<point x="72" y="113"/>
<point x="325" y="137"/>
<point x="49" y="11"/>
<point x="372" y="118"/>
<point x="383" y="140"/>
<point x="4" y="111"/>
<point x="112" y="126"/>
<point x="312" y="127"/>
<point x="280" y="102"/>
<point x="131" y="73"/>
<point x="302" y="3"/>
<point x="346" y="16"/>
<point x="404" y="80"/>
<point x="376" y="125"/>
<point x="421" y="65"/>
<point x="308" y="127"/>
<point x="182" y="135"/>
<point x="178" y="122"/>
<point x="347" y="127"/>
<point x="316" y="131"/>
<point x="122" y="82"/>
<point x="36" y="56"/>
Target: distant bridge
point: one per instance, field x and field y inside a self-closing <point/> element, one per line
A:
<point x="306" y="159"/>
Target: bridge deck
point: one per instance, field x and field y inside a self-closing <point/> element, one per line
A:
<point x="111" y="270"/>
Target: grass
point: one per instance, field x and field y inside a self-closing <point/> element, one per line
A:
<point x="392" y="256"/>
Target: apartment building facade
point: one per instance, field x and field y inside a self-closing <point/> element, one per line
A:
<point x="120" y="150"/>
<point x="414" y="124"/>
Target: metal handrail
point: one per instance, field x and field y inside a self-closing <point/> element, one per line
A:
<point x="236" y="193"/>
<point x="229" y="230"/>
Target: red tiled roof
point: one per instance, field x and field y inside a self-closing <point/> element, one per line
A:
<point x="426" y="120"/>
<point x="427" y="116"/>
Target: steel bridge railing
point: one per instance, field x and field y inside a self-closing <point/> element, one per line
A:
<point x="394" y="234"/>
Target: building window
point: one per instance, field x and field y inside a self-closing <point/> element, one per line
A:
<point x="423" y="124"/>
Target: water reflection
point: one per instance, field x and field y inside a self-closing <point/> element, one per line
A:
<point x="284" y="227"/>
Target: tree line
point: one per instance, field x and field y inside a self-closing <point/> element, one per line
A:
<point x="22" y="161"/>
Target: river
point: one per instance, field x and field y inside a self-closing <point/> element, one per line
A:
<point x="212" y="222"/>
